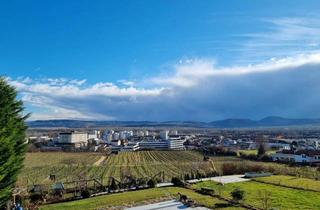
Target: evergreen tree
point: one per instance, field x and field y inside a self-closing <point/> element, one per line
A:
<point x="261" y="150"/>
<point x="12" y="139"/>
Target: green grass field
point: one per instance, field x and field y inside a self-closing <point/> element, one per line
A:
<point x="292" y="181"/>
<point x="281" y="197"/>
<point x="136" y="198"/>
<point x="68" y="166"/>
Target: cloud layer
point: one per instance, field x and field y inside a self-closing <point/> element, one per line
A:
<point x="195" y="90"/>
<point x="199" y="89"/>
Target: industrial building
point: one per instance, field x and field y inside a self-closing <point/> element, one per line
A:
<point x="169" y="144"/>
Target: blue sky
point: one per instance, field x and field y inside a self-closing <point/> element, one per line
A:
<point x="133" y="60"/>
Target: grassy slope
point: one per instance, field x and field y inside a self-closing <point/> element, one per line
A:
<point x="281" y="197"/>
<point x="292" y="181"/>
<point x="134" y="198"/>
<point x="67" y="166"/>
<point x="57" y="158"/>
<point x="38" y="166"/>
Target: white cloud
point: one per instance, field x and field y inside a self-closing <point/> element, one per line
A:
<point x="191" y="73"/>
<point x="196" y="90"/>
<point x="286" y="36"/>
<point x="127" y="83"/>
<point x="285" y="84"/>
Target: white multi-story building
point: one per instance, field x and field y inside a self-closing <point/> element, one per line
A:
<point x="72" y="137"/>
<point x="93" y="134"/>
<point x="176" y="144"/>
<point x="170" y="144"/>
<point x="123" y="135"/>
<point x="139" y="133"/>
<point x="164" y="135"/>
<point x="108" y="137"/>
<point x="131" y="147"/>
<point x="153" y="145"/>
<point x="130" y="133"/>
<point x="115" y="136"/>
<point x="174" y="132"/>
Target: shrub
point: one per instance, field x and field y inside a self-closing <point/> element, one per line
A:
<point x="192" y="176"/>
<point x="177" y="182"/>
<point x="113" y="185"/>
<point x="235" y="168"/>
<point x="85" y="194"/>
<point x="265" y="158"/>
<point x="248" y="156"/>
<point x="237" y="194"/>
<point x="152" y="183"/>
<point x="220" y="151"/>
<point x="207" y="191"/>
<point x="229" y="169"/>
<point x="212" y="173"/>
<point x="141" y="182"/>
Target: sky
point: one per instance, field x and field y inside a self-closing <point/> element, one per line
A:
<point x="162" y="60"/>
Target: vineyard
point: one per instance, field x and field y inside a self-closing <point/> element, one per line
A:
<point x="69" y="166"/>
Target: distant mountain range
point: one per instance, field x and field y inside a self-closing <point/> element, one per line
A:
<point x="272" y="121"/>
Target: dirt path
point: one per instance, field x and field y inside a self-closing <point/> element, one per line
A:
<point x="98" y="162"/>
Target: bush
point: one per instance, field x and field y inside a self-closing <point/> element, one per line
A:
<point x="237" y="194"/>
<point x="152" y="183"/>
<point x="85" y="194"/>
<point x="113" y="185"/>
<point x="192" y="176"/>
<point x="265" y="158"/>
<point x="141" y="182"/>
<point x="248" y="156"/>
<point x="207" y="191"/>
<point x="236" y="168"/>
<point x="220" y="151"/>
<point x="177" y="182"/>
<point x="222" y="205"/>
<point x="229" y="169"/>
<point x="212" y="173"/>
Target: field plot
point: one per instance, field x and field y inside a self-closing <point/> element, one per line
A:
<point x="136" y="198"/>
<point x="149" y="163"/>
<point x="38" y="166"/>
<point x="291" y="181"/>
<point x="281" y="197"/>
<point x="241" y="166"/>
<point x="68" y="166"/>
